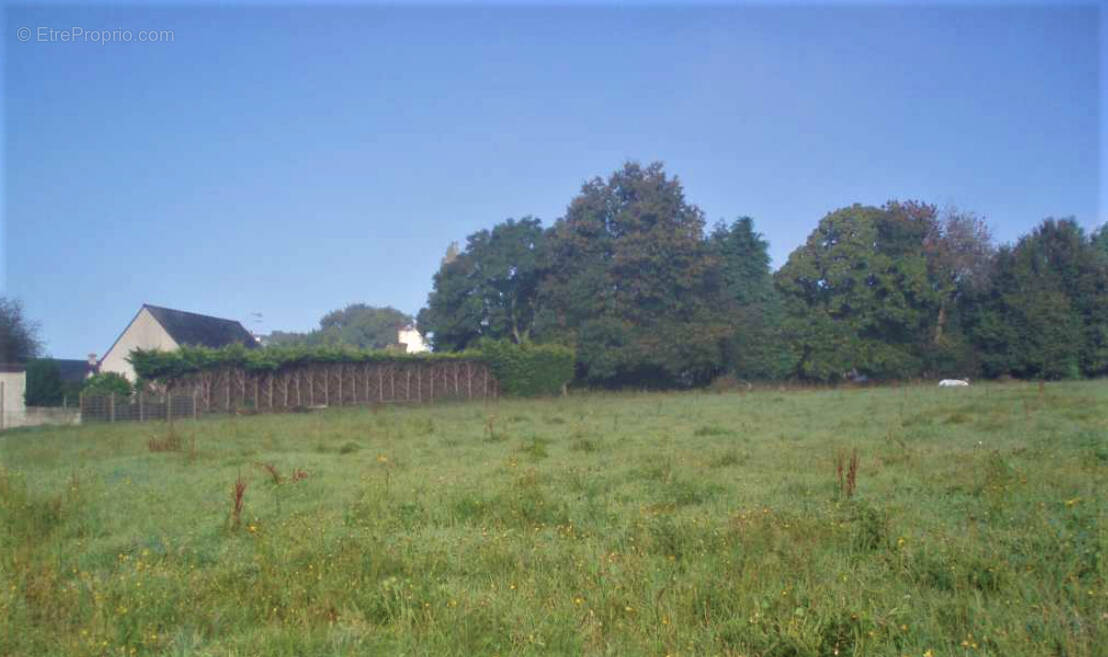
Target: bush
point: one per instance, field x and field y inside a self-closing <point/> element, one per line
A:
<point x="528" y="370"/>
<point x="106" y="384"/>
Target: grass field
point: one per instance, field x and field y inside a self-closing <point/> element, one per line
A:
<point x="616" y="524"/>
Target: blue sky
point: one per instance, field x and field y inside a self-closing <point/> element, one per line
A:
<point x="289" y="160"/>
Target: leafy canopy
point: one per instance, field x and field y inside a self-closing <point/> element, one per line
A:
<point x="18" y="336"/>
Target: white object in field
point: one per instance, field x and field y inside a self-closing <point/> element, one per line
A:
<point x="953" y="383"/>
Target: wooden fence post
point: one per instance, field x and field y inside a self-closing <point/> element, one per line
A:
<point x="194" y="403"/>
<point x="142" y="411"/>
<point x="111" y="407"/>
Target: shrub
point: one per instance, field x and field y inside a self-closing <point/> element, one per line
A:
<point x="107" y="383"/>
<point x="528" y="370"/>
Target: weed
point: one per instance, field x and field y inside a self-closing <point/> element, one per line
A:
<point x="535" y="447"/>
<point x="170" y="442"/>
<point x="272" y="470"/>
<point x="847" y="472"/>
<point x="237" y="493"/>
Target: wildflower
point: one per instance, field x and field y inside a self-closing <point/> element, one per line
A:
<point x="578" y="600"/>
<point x="1074" y="501"/>
<point x="928" y="653"/>
<point x="381" y="458"/>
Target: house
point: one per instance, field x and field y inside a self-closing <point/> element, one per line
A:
<point x="75" y="370"/>
<point x="411" y="340"/>
<point x="165" y="329"/>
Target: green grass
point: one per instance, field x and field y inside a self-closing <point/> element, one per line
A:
<point x="616" y="524"/>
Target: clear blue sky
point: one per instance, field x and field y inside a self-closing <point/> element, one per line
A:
<point x="290" y="160"/>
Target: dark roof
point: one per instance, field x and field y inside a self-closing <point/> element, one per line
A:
<point x="201" y="330"/>
<point x="13" y="367"/>
<point x="72" y="370"/>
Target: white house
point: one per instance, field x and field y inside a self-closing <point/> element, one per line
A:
<point x="411" y="340"/>
<point x="165" y="329"/>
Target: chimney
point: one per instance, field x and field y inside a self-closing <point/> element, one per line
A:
<point x="92" y="364"/>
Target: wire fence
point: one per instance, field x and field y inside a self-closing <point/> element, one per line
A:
<point x="139" y="407"/>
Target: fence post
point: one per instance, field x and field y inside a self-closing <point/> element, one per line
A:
<point x="194" y="403"/>
<point x="2" y="393"/>
<point x="142" y="414"/>
<point x="81" y="404"/>
<point x="111" y="407"/>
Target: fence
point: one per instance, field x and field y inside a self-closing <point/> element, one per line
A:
<point x="311" y="385"/>
<point x="137" y="408"/>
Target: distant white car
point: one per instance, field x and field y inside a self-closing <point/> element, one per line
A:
<point x="953" y="383"/>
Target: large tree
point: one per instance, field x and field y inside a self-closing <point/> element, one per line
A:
<point x="1045" y="312"/>
<point x="859" y="294"/>
<point x="628" y="282"/>
<point x="754" y="349"/>
<point x="18" y="337"/>
<point x="490" y="289"/>
<point x="357" y="325"/>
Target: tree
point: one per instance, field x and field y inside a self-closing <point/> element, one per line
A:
<point x="357" y="325"/>
<point x="858" y="293"/>
<point x="18" y="337"/>
<point x="748" y="299"/>
<point x="959" y="253"/>
<point x="1045" y="312"/>
<point x="628" y="283"/>
<point x="1100" y="239"/>
<point x="489" y="290"/>
<point x="44" y="383"/>
<point x="363" y="326"/>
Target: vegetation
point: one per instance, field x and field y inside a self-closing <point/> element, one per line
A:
<point x="893" y="521"/>
<point x="629" y="279"/>
<point x="18" y="336"/>
<point x="357" y="325"/>
<point x="525" y="370"/>
<point x="107" y="383"/>
<point x="528" y="370"/>
<point x="490" y="290"/>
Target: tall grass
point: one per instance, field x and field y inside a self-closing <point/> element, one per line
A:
<point x="622" y="524"/>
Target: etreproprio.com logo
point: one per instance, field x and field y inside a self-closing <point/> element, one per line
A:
<point x="78" y="34"/>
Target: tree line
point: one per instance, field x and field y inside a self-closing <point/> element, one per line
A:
<point x="632" y="279"/>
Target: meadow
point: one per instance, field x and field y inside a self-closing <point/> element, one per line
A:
<point x="971" y="523"/>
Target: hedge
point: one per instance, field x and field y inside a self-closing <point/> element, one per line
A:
<point x="527" y="370"/>
<point x="523" y="370"/>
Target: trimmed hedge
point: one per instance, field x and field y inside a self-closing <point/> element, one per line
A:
<point x="154" y="365"/>
<point x="524" y="370"/>
<point x="528" y="370"/>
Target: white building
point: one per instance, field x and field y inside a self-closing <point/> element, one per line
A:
<point x="165" y="329"/>
<point x="411" y="340"/>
